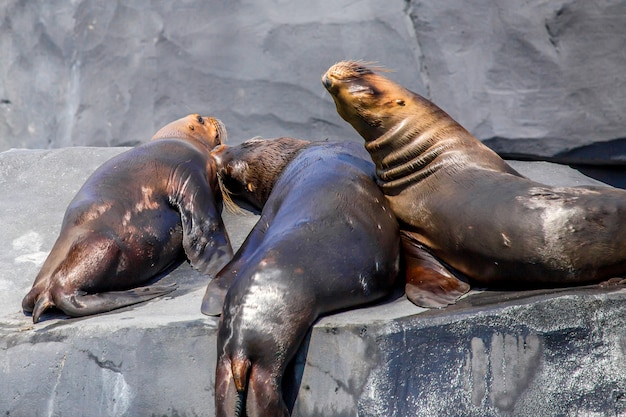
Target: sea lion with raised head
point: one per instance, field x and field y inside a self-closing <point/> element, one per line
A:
<point x="136" y="217"/>
<point x="326" y="240"/>
<point x="463" y="211"/>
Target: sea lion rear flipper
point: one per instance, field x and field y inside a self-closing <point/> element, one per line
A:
<point x="227" y="399"/>
<point x="428" y="282"/>
<point x="43" y="303"/>
<point x="77" y="305"/>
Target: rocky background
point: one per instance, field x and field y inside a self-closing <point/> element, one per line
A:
<point x="537" y="78"/>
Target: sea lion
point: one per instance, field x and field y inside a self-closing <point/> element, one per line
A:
<point x="135" y="218"/>
<point x="463" y="211"/>
<point x="326" y="240"/>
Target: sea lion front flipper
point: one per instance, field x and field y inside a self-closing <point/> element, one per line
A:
<point x="216" y="290"/>
<point x="428" y="282"/>
<point x="205" y="240"/>
<point x="215" y="293"/>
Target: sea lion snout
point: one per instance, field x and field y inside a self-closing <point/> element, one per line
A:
<point x="330" y="80"/>
<point x="328" y="83"/>
<point x="220" y="127"/>
<point x="205" y="131"/>
<point x="230" y="176"/>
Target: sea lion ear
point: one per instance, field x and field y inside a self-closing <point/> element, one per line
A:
<point x="400" y="102"/>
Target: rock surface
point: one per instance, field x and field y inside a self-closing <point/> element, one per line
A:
<point x="540" y="77"/>
<point x="493" y="354"/>
<point x="537" y="69"/>
<point x="111" y="73"/>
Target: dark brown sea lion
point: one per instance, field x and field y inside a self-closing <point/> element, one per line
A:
<point x="459" y="201"/>
<point x="326" y="240"/>
<point x="135" y="218"/>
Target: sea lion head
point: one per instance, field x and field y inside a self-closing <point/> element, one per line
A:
<point x="204" y="131"/>
<point x="249" y="171"/>
<point x="371" y="103"/>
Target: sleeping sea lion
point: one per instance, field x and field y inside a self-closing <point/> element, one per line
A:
<point x="326" y="240"/>
<point x="464" y="213"/>
<point x="135" y="218"/>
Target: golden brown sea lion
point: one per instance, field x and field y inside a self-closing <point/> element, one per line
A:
<point x="462" y="209"/>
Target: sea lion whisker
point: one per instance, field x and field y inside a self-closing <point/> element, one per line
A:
<point x="230" y="205"/>
<point x="221" y="130"/>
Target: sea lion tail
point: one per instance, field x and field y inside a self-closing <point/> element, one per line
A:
<point x="43" y="303"/>
<point x="240" y="367"/>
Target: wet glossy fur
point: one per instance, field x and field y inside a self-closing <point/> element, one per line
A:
<point x="326" y="240"/>
<point x="136" y="217"/>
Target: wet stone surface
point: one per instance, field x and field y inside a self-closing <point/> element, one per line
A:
<point x="549" y="352"/>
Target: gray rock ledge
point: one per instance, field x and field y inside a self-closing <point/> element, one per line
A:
<point x="534" y="353"/>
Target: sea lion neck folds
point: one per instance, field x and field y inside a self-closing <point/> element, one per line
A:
<point x="406" y="135"/>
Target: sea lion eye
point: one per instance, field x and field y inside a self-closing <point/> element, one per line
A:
<point x="200" y="120"/>
<point x="400" y="102"/>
